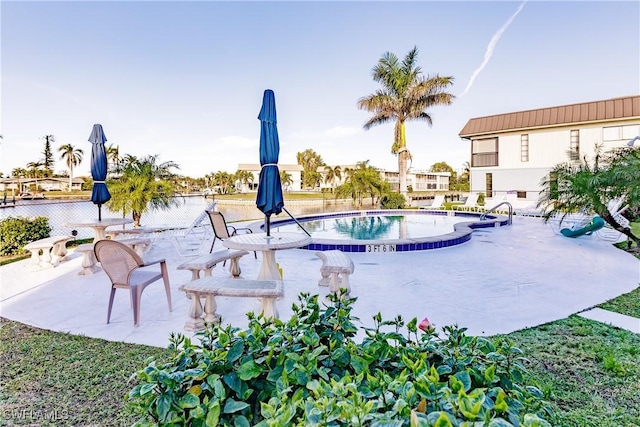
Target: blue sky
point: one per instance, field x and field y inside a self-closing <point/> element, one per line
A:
<point x="184" y="80"/>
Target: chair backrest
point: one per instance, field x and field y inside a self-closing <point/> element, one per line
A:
<point x="219" y="224"/>
<point x="438" y="200"/>
<point x="117" y="259"/>
<point x="472" y="200"/>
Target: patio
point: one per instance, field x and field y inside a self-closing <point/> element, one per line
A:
<point x="503" y="280"/>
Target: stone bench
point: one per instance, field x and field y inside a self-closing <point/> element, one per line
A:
<point x="335" y="270"/>
<point x="48" y="252"/>
<point x="89" y="260"/>
<point x="207" y="262"/>
<point x="137" y="232"/>
<point x="210" y="287"/>
<point x="138" y="244"/>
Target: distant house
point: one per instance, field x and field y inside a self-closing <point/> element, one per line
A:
<point x="25" y="185"/>
<point x="513" y="152"/>
<point x="418" y="180"/>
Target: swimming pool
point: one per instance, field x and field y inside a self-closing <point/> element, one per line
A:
<point x="383" y="231"/>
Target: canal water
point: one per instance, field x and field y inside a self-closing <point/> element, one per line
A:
<point x="182" y="215"/>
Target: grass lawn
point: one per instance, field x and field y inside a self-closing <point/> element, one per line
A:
<point x="588" y="371"/>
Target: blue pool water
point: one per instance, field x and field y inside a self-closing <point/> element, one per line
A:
<point x="376" y="227"/>
<point x="386" y="231"/>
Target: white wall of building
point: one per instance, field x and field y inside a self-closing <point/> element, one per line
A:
<point x="547" y="148"/>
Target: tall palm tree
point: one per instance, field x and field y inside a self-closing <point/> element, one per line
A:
<point x="72" y="157"/>
<point x="144" y="184"/>
<point x="331" y="175"/>
<point x="405" y="95"/>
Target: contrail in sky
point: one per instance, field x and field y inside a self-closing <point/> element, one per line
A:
<point x="490" y="48"/>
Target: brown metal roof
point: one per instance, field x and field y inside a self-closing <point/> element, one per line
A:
<point x="596" y="111"/>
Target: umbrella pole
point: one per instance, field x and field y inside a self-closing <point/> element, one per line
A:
<point x="267" y="222"/>
<point x="99" y="211"/>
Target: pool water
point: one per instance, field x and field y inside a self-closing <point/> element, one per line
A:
<point x="377" y="227"/>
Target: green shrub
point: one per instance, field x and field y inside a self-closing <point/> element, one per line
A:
<point x="393" y="201"/>
<point x="15" y="232"/>
<point x="309" y="371"/>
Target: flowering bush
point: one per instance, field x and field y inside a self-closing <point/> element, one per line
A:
<point x="309" y="371"/>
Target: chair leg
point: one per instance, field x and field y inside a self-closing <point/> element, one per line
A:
<point x="136" y="294"/>
<point x="113" y="293"/>
<point x="213" y="243"/>
<point x="165" y="279"/>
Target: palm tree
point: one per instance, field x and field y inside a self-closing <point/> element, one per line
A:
<point x="34" y="170"/>
<point x="589" y="186"/>
<point x="144" y="184"/>
<point x="331" y="175"/>
<point x="244" y="177"/>
<point x="72" y="157"/>
<point x="361" y="181"/>
<point x="286" y="180"/>
<point x="19" y="173"/>
<point x="310" y="162"/>
<point x="113" y="156"/>
<point x="405" y="95"/>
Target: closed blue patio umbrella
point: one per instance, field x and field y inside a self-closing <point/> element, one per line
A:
<point x="100" y="193"/>
<point x="269" y="199"/>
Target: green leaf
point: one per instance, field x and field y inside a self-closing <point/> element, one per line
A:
<point x="213" y="414"/>
<point x="275" y="373"/>
<point x="249" y="370"/>
<point x="232" y="406"/>
<point x="302" y="377"/>
<point x="241" y="421"/>
<point x="164" y="404"/>
<point x="499" y="422"/>
<point x="231" y="379"/>
<point x="490" y="374"/>
<point x="465" y="379"/>
<point x="235" y="351"/>
<point x="189" y="400"/>
<point x="442" y="421"/>
<point x="146" y="389"/>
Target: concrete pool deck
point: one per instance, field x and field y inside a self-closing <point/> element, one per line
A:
<point x="504" y="279"/>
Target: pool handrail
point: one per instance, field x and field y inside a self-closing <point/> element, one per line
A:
<point x="493" y="209"/>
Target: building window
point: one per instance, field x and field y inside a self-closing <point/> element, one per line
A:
<point x="524" y="148"/>
<point x="488" y="184"/>
<point x="611" y="133"/>
<point x="484" y="152"/>
<point x="630" y="131"/>
<point x="574" y="145"/>
<point x="620" y="133"/>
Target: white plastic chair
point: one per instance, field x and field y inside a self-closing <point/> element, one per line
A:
<point x="437" y="203"/>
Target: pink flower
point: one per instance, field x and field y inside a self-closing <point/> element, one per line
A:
<point x="425" y="325"/>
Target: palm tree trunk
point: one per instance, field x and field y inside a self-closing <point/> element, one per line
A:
<point x="401" y="144"/>
<point x="70" y="178"/>
<point x="606" y="215"/>
<point x="402" y="170"/>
